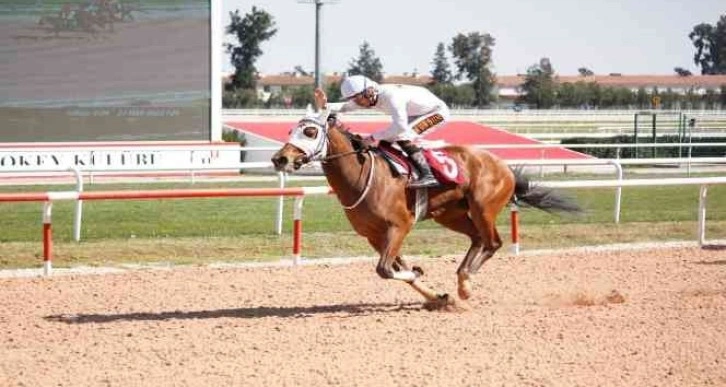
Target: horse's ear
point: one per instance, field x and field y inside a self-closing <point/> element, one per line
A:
<point x="309" y="113"/>
<point x="323" y="116"/>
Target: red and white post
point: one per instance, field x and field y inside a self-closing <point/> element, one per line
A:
<point x="47" y="238"/>
<point x="297" y="230"/>
<point x="514" y="220"/>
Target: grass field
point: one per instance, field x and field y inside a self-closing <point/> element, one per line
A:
<point x="193" y="231"/>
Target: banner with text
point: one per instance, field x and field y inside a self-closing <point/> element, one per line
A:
<point x="108" y="159"/>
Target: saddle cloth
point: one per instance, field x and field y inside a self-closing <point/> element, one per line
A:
<point x="444" y="168"/>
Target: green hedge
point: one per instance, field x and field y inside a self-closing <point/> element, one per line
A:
<point x="628" y="153"/>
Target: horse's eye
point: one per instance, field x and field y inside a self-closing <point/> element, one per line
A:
<point x="310" y="132"/>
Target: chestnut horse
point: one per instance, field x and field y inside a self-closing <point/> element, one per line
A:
<point x="381" y="207"/>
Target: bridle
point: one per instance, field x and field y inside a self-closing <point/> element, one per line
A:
<point x="319" y="152"/>
<point x="371" y="171"/>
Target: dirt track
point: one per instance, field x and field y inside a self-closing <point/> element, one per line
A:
<point x="632" y="318"/>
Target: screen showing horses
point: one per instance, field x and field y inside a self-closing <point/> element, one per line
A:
<point x="104" y="70"/>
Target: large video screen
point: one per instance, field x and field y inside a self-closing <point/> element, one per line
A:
<point x="104" y="70"/>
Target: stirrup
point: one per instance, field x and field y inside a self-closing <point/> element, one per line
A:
<point x="424" y="182"/>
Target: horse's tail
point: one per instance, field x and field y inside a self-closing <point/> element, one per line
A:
<point x="540" y="197"/>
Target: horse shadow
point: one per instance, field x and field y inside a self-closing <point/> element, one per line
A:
<point x="343" y="310"/>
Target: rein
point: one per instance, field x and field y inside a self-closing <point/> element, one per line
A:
<point x="368" y="184"/>
<point x="371" y="172"/>
<point x="339" y="155"/>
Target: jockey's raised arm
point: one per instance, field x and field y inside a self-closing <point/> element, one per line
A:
<point x="321" y="102"/>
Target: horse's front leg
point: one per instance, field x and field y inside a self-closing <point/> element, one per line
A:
<point x="390" y="264"/>
<point x="401" y="264"/>
<point x="390" y="261"/>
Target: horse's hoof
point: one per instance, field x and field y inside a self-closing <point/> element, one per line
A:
<point x="418" y="271"/>
<point x="445" y="303"/>
<point x="439" y="303"/>
<point x="464" y="290"/>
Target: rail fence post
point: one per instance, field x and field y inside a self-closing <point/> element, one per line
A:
<point x="702" y="215"/>
<point x="297" y="230"/>
<point x="618" y="190"/>
<point x="78" y="215"/>
<point x="280" y="204"/>
<point x="47" y="238"/>
<point x="514" y="220"/>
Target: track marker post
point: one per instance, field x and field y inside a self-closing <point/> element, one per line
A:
<point x="297" y="230"/>
<point x="47" y="238"/>
<point x="514" y="220"/>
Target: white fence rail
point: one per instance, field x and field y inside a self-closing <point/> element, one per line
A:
<point x="18" y="162"/>
<point x="200" y="159"/>
<point x="49" y="197"/>
<point x="282" y="179"/>
<point x="527" y="114"/>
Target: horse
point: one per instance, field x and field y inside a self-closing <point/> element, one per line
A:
<point x="381" y="208"/>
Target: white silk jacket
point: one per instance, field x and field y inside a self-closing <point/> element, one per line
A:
<point x="404" y="104"/>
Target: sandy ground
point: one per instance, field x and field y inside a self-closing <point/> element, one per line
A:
<point x="649" y="317"/>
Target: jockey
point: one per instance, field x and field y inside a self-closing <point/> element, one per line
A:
<point x="414" y="110"/>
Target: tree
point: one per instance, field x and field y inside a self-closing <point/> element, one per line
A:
<point x="642" y="98"/>
<point x="473" y="55"/>
<point x="682" y="72"/>
<point x="566" y="95"/>
<point x="710" y="44"/>
<point x="585" y="72"/>
<point x="624" y="97"/>
<point x="241" y="98"/>
<point x="454" y="95"/>
<point x="538" y="88"/>
<point x="441" y="72"/>
<point x="366" y="64"/>
<point x="710" y="99"/>
<point x="301" y="96"/>
<point x="333" y="91"/>
<point x="250" y="31"/>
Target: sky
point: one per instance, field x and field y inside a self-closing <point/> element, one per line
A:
<point x="631" y="37"/>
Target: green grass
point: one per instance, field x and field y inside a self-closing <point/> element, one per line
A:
<point x="233" y="229"/>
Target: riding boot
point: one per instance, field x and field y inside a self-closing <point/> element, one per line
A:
<point x="425" y="176"/>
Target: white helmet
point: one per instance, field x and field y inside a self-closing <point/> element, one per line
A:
<point x="355" y="84"/>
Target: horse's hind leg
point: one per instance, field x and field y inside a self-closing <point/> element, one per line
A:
<point x="460" y="222"/>
<point x="485" y="217"/>
<point x="488" y="250"/>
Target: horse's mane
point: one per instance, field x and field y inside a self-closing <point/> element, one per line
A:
<point x="356" y="140"/>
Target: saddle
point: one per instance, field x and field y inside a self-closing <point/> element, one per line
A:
<point x="444" y="168"/>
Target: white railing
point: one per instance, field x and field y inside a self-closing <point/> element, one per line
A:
<point x="192" y="170"/>
<point x="49" y="197"/>
<point x="197" y="160"/>
<point x="617" y="164"/>
<point x="703" y="182"/>
<point x="578" y="113"/>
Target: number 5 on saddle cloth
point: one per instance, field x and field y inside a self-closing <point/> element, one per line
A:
<point x="445" y="169"/>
